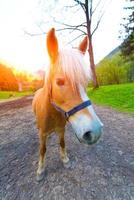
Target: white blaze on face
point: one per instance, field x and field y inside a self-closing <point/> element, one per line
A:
<point x="90" y="108"/>
<point x="83" y="123"/>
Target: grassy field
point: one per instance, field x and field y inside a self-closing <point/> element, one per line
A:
<point x="5" y="95"/>
<point x="120" y="97"/>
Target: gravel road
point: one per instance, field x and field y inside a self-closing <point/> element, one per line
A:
<point x="104" y="171"/>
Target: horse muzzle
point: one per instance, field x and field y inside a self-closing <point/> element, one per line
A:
<point x="91" y="137"/>
<point x="88" y="133"/>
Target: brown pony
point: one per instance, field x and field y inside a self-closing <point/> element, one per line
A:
<point x="63" y="98"/>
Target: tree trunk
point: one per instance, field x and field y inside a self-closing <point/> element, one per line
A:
<point x="92" y="65"/>
<point x="90" y="49"/>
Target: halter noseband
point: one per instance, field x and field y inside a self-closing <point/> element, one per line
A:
<point x="73" y="110"/>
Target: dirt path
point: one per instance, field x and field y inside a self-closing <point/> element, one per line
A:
<point x="103" y="172"/>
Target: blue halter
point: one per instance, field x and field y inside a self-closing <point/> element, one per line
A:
<point x="73" y="110"/>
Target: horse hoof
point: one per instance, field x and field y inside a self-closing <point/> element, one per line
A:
<point x="67" y="165"/>
<point x="40" y="177"/>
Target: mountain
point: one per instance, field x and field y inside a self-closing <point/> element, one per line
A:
<point x="113" y="52"/>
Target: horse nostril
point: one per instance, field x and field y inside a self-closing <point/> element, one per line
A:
<point x="87" y="136"/>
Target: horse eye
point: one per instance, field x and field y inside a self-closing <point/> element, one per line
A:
<point x="60" y="81"/>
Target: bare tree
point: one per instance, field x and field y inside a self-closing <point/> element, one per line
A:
<point x="87" y="7"/>
<point x="84" y="28"/>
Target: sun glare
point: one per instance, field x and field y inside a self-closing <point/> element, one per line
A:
<point x="29" y="53"/>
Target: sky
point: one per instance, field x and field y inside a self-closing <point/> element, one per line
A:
<point x="29" y="52"/>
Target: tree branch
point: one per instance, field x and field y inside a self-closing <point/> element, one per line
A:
<point x="71" y="6"/>
<point x="96" y="6"/>
<point x="88" y="19"/>
<point x="81" y="4"/>
<point x="34" y="34"/>
<point x="73" y="29"/>
<point x="61" y="29"/>
<point x="98" y="23"/>
<point x="68" y="25"/>
<point x="91" y="8"/>
<point x="75" y="38"/>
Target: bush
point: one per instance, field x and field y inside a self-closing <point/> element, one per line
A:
<point x="7" y="79"/>
<point x="111" y="71"/>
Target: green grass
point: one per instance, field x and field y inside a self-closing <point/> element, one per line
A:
<point x="119" y="97"/>
<point x="4" y="95"/>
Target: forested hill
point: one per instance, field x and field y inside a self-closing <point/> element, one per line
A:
<point x="114" y="69"/>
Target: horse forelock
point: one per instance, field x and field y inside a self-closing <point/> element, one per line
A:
<point x="71" y="63"/>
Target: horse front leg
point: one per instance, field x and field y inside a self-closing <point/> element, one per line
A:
<point x="42" y="152"/>
<point x="63" y="153"/>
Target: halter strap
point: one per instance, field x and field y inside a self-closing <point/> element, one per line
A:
<point x="73" y="110"/>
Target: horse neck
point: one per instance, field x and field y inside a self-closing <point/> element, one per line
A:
<point x="47" y="97"/>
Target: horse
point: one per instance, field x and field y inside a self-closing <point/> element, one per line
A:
<point x="63" y="99"/>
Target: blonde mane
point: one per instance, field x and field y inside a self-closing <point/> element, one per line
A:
<point x="71" y="63"/>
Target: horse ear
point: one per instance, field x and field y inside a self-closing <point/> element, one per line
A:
<point x="83" y="45"/>
<point x="52" y="45"/>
